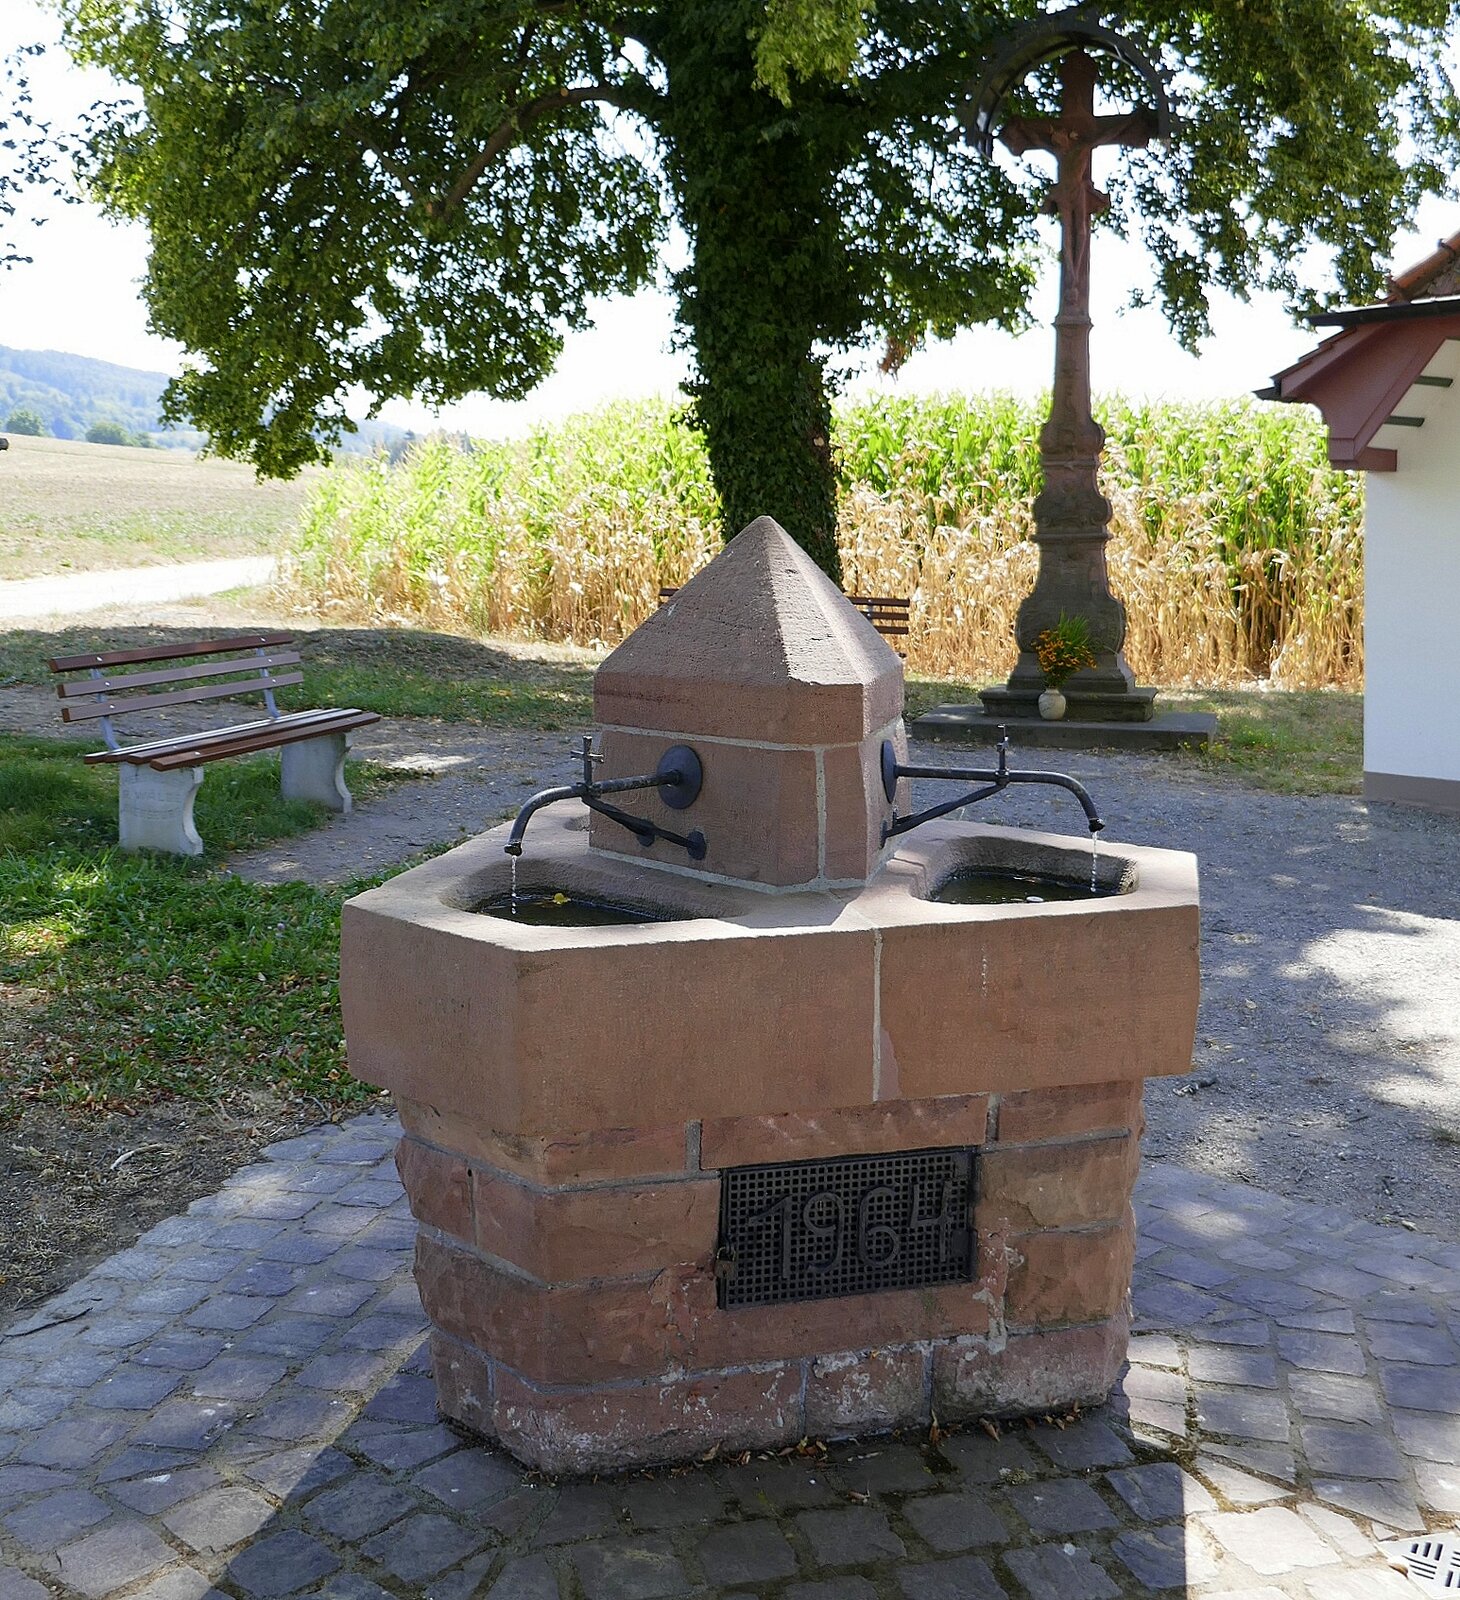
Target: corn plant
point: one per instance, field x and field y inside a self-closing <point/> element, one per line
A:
<point x="1235" y="546"/>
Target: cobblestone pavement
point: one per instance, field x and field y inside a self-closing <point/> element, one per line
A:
<point x="239" y="1405"/>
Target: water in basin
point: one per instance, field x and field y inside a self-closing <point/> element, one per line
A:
<point x="1009" y="889"/>
<point x="552" y="908"/>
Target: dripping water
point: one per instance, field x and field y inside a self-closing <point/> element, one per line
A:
<point x="513" y="860"/>
<point x="1094" y="859"/>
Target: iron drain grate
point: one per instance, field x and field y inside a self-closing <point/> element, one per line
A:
<point x="813" y="1230"/>
<point x="1433" y="1564"/>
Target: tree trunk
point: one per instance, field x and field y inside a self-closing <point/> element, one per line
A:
<point x="766" y="418"/>
<point x="750" y="178"/>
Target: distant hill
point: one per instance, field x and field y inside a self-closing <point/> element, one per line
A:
<point x="72" y="393"/>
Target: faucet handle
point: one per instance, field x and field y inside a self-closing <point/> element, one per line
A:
<point x="585" y="753"/>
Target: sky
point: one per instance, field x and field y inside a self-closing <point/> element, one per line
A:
<point x="80" y="294"/>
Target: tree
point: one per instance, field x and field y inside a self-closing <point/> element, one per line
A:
<point x="23" y="420"/>
<point x="420" y="199"/>
<point x="108" y="433"/>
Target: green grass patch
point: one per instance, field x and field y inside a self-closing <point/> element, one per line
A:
<point x="1290" y="741"/>
<point x="129" y="978"/>
<point x="550" y="700"/>
<point x="50" y="797"/>
<point x="922" y="694"/>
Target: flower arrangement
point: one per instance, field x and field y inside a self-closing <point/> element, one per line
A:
<point x="1064" y="650"/>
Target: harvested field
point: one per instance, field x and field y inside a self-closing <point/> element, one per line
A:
<point x="66" y="505"/>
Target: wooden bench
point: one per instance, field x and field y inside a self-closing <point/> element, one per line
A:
<point x="160" y="778"/>
<point x="887" y="613"/>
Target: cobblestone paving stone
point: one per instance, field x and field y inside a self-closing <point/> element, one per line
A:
<point x="1292" y="1405"/>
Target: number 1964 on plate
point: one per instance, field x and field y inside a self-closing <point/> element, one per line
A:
<point x="811" y="1230"/>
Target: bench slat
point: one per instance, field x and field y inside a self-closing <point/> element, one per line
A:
<point x="217" y="691"/>
<point x="182" y="741"/>
<point x="168" y="652"/>
<point x="208" y="669"/>
<point x="339" y="722"/>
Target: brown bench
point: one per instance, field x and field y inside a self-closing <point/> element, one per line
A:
<point x="887" y="613"/>
<point x="160" y="778"/>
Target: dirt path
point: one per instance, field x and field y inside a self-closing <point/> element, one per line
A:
<point x="472" y="779"/>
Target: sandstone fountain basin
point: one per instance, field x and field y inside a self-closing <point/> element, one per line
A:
<point x="733" y="1002"/>
<point x="814" y="1153"/>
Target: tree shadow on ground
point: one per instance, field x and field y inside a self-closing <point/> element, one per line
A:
<point x="398" y="672"/>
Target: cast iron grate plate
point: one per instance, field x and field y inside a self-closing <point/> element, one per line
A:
<point x="1434" y="1564"/>
<point x="813" y="1230"/>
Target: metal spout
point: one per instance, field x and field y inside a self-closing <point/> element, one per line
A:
<point x="994" y="783"/>
<point x="679" y="776"/>
<point x="544" y="797"/>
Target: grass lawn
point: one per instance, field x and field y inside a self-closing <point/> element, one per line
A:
<point x="1292" y="741"/>
<point x="129" y="978"/>
<point x="69" y="506"/>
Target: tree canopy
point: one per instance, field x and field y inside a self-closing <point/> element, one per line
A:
<point x="24" y="421"/>
<point x="420" y="199"/>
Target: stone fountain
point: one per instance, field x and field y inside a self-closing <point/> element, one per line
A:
<point x="813" y="1153"/>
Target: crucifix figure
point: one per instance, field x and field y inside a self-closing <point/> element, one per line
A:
<point x="1071" y="515"/>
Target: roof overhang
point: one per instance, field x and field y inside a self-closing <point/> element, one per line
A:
<point x="1371" y="376"/>
<point x="1386" y="311"/>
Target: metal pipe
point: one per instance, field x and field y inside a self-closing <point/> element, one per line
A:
<point x="1092" y="816"/>
<point x="544" y="797"/>
<point x="679" y="773"/>
<point x="995" y="782"/>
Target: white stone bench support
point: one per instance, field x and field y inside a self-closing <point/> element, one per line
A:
<point x="314" y="769"/>
<point x="155" y="809"/>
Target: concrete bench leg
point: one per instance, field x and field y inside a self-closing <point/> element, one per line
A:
<point x="314" y="769"/>
<point x="155" y="810"/>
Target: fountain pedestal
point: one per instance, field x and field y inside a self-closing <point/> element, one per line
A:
<point x="582" y="1105"/>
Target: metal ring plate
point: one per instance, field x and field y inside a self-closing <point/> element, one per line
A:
<point x="680" y="761"/>
<point x="889" y="770"/>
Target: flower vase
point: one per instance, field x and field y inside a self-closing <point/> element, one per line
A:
<point x="1051" y="705"/>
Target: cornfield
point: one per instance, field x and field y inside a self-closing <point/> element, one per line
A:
<point x="1236" y="548"/>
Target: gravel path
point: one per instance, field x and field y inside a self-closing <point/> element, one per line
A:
<point x="1328" y="1049"/>
<point x="26" y="599"/>
<point x="1328" y="1046"/>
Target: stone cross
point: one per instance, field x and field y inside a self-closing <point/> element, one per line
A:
<point x="1071" y="515"/>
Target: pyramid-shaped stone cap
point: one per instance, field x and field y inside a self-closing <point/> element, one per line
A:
<point x="761" y="645"/>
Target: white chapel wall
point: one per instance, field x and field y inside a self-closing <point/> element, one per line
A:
<point x="1412" y="610"/>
